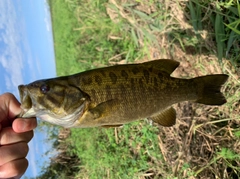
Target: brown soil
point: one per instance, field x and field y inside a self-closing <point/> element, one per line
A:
<point x="201" y="131"/>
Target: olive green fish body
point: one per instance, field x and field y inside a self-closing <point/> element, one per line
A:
<point x="116" y="95"/>
<point x="126" y="93"/>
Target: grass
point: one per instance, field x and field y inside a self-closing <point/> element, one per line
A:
<point x="219" y="21"/>
<point x="65" y="39"/>
<point x="116" y="152"/>
<point x="88" y="38"/>
<point x="203" y="35"/>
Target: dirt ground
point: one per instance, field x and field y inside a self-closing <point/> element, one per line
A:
<point x="201" y="131"/>
<point x="196" y="147"/>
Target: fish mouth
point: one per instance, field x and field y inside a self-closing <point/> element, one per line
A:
<point x="26" y="103"/>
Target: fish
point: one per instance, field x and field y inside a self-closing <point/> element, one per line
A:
<point x="115" y="95"/>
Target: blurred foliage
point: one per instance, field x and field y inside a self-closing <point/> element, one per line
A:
<point x="95" y="33"/>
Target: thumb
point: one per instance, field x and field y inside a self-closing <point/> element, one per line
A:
<point x="9" y="107"/>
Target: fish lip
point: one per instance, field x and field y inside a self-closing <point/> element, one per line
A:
<point x="26" y="102"/>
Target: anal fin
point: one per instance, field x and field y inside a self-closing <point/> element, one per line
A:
<point x="165" y="118"/>
<point x="110" y="126"/>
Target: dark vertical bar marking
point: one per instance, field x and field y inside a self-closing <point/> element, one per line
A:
<point x="146" y="75"/>
<point x="98" y="79"/>
<point x="113" y="77"/>
<point x="124" y="74"/>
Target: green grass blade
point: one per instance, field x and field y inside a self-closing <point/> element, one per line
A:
<point x="193" y="15"/>
<point x="219" y="34"/>
<point x="134" y="37"/>
<point x="233" y="28"/>
<point x="142" y="15"/>
<point x="231" y="39"/>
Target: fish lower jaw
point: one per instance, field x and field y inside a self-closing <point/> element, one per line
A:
<point x="27" y="113"/>
<point x="63" y="119"/>
<point x="67" y="121"/>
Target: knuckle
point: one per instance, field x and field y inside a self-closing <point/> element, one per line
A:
<point x="20" y="166"/>
<point x="5" y="136"/>
<point x="14" y="169"/>
<point x="10" y="95"/>
<point x="30" y="135"/>
<point x="23" y="148"/>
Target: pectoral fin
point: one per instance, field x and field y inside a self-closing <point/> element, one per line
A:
<point x="165" y="118"/>
<point x="103" y="109"/>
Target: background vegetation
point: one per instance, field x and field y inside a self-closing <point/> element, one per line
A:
<point x="203" y="35"/>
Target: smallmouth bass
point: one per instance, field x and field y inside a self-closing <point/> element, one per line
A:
<point x="115" y="95"/>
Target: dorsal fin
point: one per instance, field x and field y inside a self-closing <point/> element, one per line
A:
<point x="165" y="118"/>
<point x="165" y="65"/>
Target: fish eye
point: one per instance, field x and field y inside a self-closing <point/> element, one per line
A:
<point x="44" y="88"/>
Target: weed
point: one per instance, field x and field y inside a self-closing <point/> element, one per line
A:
<point x="204" y="142"/>
<point x="115" y="153"/>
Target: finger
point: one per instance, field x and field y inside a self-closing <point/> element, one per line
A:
<point x="10" y="107"/>
<point x="9" y="136"/>
<point x="12" y="152"/>
<point x="14" y="168"/>
<point x="24" y="125"/>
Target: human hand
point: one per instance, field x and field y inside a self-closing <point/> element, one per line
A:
<point x="14" y="137"/>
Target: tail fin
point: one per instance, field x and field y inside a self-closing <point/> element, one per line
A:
<point x="210" y="87"/>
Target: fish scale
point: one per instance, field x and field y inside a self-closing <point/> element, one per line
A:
<point x="113" y="96"/>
